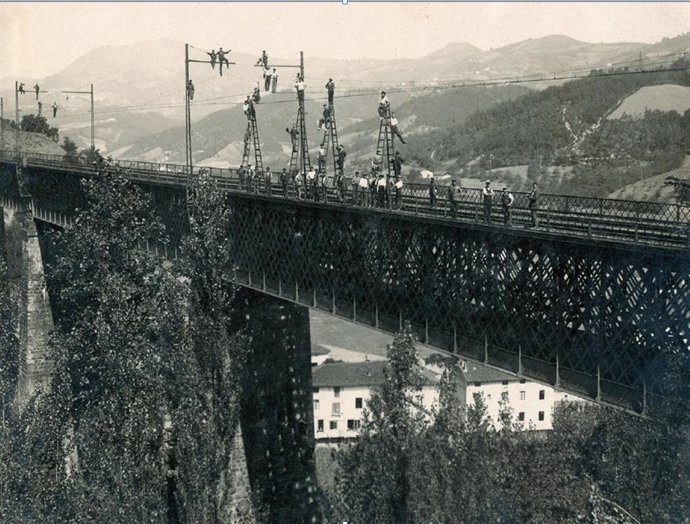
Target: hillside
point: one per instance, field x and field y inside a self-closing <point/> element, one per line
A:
<point x="654" y="189"/>
<point x="654" y="98"/>
<point x="146" y="78"/>
<point x="221" y="133"/>
<point x="33" y="143"/>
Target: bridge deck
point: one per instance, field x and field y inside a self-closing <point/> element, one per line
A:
<point x="629" y="222"/>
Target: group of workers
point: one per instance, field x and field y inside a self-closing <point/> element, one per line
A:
<point x="37" y="90"/>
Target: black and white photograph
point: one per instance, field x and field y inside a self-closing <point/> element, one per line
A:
<point x="345" y="262"/>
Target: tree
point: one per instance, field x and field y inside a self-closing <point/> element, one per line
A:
<point x="71" y="150"/>
<point x="39" y="124"/>
<point x="374" y="483"/>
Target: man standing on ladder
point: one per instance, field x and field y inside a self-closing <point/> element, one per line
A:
<point x="330" y="86"/>
<point x="384" y="103"/>
<point x="300" y="86"/>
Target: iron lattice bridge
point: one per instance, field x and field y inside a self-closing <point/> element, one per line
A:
<point x="595" y="301"/>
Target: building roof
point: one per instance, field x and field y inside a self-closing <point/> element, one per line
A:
<point x="480" y="373"/>
<point x="353" y="374"/>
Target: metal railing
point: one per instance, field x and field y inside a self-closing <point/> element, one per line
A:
<point x="651" y="223"/>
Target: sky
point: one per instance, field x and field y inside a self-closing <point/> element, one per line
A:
<point x="39" y="39"/>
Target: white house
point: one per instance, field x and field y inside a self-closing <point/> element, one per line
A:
<point x="342" y="390"/>
<point x="532" y="403"/>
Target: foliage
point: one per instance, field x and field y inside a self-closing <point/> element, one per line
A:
<point x="374" y="480"/>
<point x="597" y="465"/>
<point x="135" y="424"/>
<point x="39" y="124"/>
<point x="71" y="150"/>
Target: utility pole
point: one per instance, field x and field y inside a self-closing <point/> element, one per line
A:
<point x="93" y="125"/>
<point x="17" y="130"/>
<point x="188" y="116"/>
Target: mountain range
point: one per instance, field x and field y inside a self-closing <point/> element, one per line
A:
<point x="148" y="77"/>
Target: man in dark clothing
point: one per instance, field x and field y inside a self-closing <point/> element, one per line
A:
<point x="453" y="198"/>
<point x="241" y="175"/>
<point x="293" y="136"/>
<point x="40" y="108"/>
<point x="55" y="108"/>
<point x="212" y="54"/>
<point x="533" y="200"/>
<point x="263" y="59"/>
<point x="190" y="90"/>
<point x="488" y="196"/>
<point x="267" y="79"/>
<point x="37" y="89"/>
<point x="284" y="182"/>
<point x="21" y="88"/>
<point x="340" y="161"/>
<point x="506" y="203"/>
<point x="397" y="164"/>
<point x="326" y="117"/>
<point x="330" y="86"/>
<point x="256" y="96"/>
<point x="432" y="192"/>
<point x="340" y="185"/>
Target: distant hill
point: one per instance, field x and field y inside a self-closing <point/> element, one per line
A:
<point x="665" y="97"/>
<point x="654" y="189"/>
<point x="221" y="133"/>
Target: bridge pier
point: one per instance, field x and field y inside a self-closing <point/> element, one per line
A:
<point x="276" y="408"/>
<point x="35" y="314"/>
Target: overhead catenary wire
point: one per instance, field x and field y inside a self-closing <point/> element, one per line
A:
<point x="369" y="90"/>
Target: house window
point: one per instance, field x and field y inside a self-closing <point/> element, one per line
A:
<point x="334" y="424"/>
<point x="336" y="392"/>
<point x="319" y="426"/>
<point x="541" y="415"/>
<point x="315" y="390"/>
<point x="316" y="405"/>
<point x="521" y="416"/>
<point x="522" y="395"/>
<point x="335" y="409"/>
<point x="478" y="384"/>
<point x="358" y="403"/>
<point x="353" y="424"/>
<point x="542" y="394"/>
<point x="505" y="382"/>
<point x="522" y="381"/>
<point x="488" y="397"/>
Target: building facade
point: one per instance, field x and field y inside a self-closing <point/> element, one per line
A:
<point x="341" y="392"/>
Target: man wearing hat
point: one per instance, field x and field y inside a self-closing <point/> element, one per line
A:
<point x="488" y="195"/>
<point x="506" y="202"/>
<point x="330" y="86"/>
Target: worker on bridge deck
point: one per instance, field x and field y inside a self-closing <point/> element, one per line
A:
<point x="533" y="200"/>
<point x="267" y="78"/>
<point x="284" y="182"/>
<point x="340" y="159"/>
<point x="268" y="180"/>
<point x="432" y="191"/>
<point x="488" y="195"/>
<point x="507" y="200"/>
<point x="453" y="198"/>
